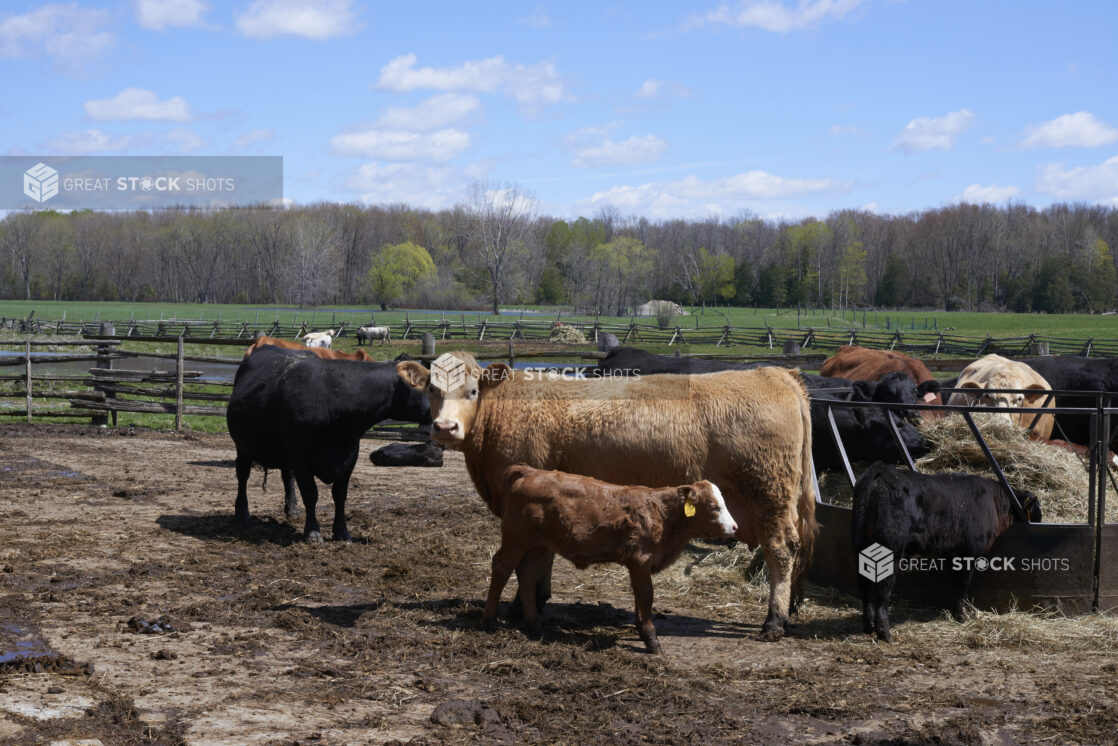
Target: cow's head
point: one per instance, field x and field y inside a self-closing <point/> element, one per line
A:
<point x="703" y="504"/>
<point x="454" y="397"/>
<point x="1034" y="393"/>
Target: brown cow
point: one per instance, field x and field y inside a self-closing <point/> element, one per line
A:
<point x="588" y="521"/>
<point x="748" y="431"/>
<point x="862" y="364"/>
<point x="323" y="352"/>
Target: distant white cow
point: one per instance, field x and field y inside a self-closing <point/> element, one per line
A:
<point x="319" y="339"/>
<point x="369" y="333"/>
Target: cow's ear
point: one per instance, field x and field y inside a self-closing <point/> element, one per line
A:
<point x="690" y="498"/>
<point x="494" y="373"/>
<point x="414" y="374"/>
<point x="1039" y="392"/>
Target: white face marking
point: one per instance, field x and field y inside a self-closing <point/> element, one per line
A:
<point x="725" y="520"/>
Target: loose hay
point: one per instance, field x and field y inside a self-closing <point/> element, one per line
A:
<point x="566" y="334"/>
<point x="1037" y="630"/>
<point x="1056" y="476"/>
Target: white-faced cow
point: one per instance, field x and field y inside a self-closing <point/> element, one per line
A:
<point x="996" y="372"/>
<point x="319" y="339"/>
<point x="370" y="333"/>
<point x="749" y="432"/>
<point x="293" y="411"/>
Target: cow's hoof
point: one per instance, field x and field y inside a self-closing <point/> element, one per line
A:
<point x="771" y="632"/>
<point x="242" y="519"/>
<point x="653" y="646"/>
<point x="489" y="625"/>
<point x="885" y="636"/>
<point x="315" y="537"/>
<point x="343" y="537"/>
<point x="535" y="629"/>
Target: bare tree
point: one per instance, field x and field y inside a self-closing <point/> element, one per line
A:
<point x="19" y="241"/>
<point x="501" y="215"/>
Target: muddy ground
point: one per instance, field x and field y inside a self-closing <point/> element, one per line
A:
<point x="132" y="610"/>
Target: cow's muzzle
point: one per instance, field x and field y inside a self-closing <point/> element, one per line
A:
<point x="446" y="431"/>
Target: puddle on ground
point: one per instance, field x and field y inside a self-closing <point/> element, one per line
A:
<point x="19" y="467"/>
<point x="23" y="651"/>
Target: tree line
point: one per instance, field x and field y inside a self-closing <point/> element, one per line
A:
<point x="493" y="249"/>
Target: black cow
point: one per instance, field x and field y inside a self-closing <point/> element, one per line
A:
<point x="931" y="515"/>
<point x="305" y="416"/>
<point x="408" y="454"/>
<point x="1077" y="374"/>
<point x="865" y="432"/>
<point x="629" y="361"/>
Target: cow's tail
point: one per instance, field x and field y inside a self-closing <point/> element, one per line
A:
<point x="806" y="525"/>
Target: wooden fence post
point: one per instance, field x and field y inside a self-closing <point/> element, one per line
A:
<point x="178" y="387"/>
<point x="27" y="375"/>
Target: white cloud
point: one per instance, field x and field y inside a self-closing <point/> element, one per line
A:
<point x="692" y="195"/>
<point x="67" y="33"/>
<point x="157" y="15"/>
<point x="632" y="151"/>
<point x="653" y="88"/>
<point x="80" y="142"/>
<point x="776" y="16"/>
<point x="978" y="194"/>
<point x="845" y="129"/>
<point x="431" y="187"/>
<point x="1090" y="183"/>
<point x="932" y="133"/>
<point x="252" y="138"/>
<point x="137" y="103"/>
<point x="537" y="19"/>
<point x="1078" y="130"/>
<point x="437" y="111"/>
<point x="184" y="141"/>
<point x="528" y="84"/>
<point x="311" y="19"/>
<point x="401" y="146"/>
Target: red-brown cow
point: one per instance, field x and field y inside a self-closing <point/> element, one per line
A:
<point x="323" y="352"/>
<point x="589" y="521"/>
<point x="862" y="364"/>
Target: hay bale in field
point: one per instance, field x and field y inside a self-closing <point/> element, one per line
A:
<point x="566" y="334"/>
<point x="1055" y="475"/>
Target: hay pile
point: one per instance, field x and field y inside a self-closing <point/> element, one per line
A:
<point x="566" y="334"/>
<point x="1057" y="477"/>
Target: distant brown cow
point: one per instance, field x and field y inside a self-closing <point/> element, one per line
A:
<point x="862" y="364"/>
<point x="589" y="521"/>
<point x="323" y="352"/>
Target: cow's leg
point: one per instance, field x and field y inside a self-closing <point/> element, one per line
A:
<point x="640" y="577"/>
<point x="340" y="490"/>
<point x="534" y="569"/>
<point x="504" y="562"/>
<point x="883" y="592"/>
<point x="781" y="546"/>
<point x="243" y="466"/>
<point x="309" y="490"/>
<point x="290" y="507"/>
<point x="866" y="586"/>
<point x="960" y="586"/>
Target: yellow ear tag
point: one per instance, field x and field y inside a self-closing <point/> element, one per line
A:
<point x="689" y="508"/>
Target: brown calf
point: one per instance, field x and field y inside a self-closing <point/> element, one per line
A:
<point x="323" y="352"/>
<point x="588" y="521"/>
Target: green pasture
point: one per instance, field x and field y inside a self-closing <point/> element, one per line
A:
<point x="960" y="323"/>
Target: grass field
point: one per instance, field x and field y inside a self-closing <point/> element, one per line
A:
<point x="962" y="323"/>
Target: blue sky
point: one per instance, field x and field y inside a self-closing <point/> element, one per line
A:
<point x="782" y="109"/>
